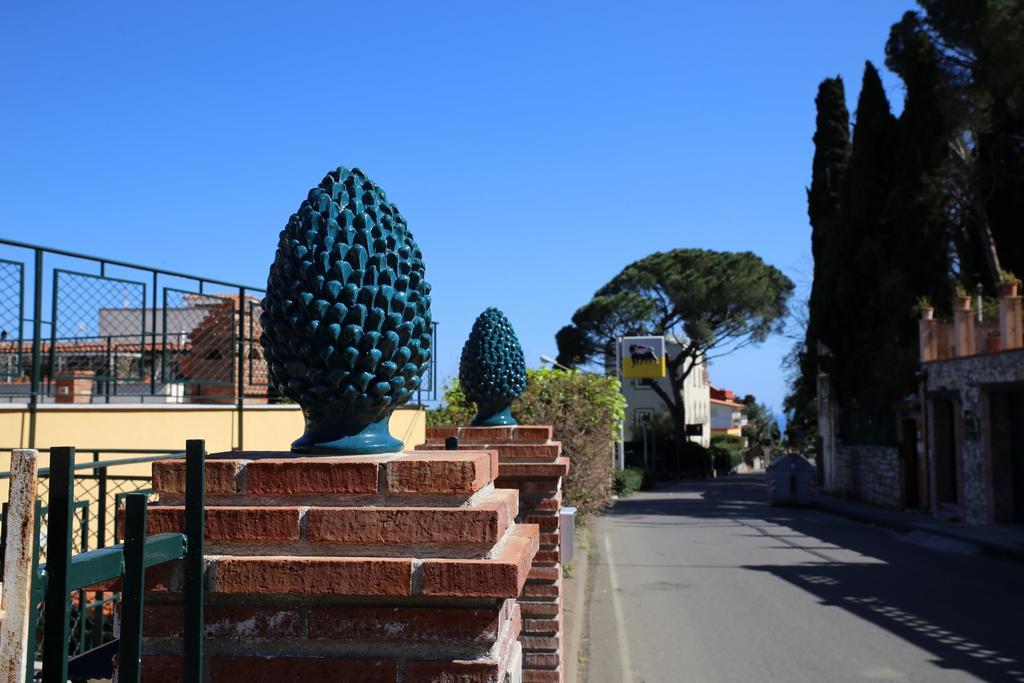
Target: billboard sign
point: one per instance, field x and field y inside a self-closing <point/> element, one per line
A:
<point x="643" y="357"/>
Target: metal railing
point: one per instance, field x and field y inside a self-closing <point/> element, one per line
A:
<point x="76" y="328"/>
<point x="69" y="633"/>
<point x="99" y="494"/>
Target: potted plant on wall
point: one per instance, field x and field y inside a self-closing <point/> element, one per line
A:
<point x="1010" y="284"/>
<point x="925" y="308"/>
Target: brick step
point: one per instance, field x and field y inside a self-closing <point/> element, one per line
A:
<point x="541" y="676"/>
<point x="515" y="433"/>
<point x="272" y="478"/>
<point x="519" y="470"/>
<point x="500" y="576"/>
<point x="481" y="524"/>
<point x="403" y="623"/>
<point x="514" y="452"/>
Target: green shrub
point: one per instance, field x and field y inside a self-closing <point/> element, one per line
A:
<point x="727" y="451"/>
<point x="629" y="480"/>
<point x="585" y="411"/>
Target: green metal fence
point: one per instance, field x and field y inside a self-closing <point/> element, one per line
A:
<point x="59" y="584"/>
<point x="79" y="328"/>
<point x="100" y="495"/>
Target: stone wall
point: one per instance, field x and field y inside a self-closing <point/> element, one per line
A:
<point x="968" y="379"/>
<point x="867" y="473"/>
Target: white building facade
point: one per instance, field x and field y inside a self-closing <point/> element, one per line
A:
<point x="643" y="403"/>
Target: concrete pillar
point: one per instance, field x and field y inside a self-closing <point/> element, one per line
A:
<point x="928" y="339"/>
<point x="1011" y="330"/>
<point x="533" y="464"/>
<point x="963" y="328"/>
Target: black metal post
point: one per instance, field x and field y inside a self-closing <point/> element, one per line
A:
<point x="101" y="512"/>
<point x="37" y="348"/>
<point x="3" y="535"/>
<point x="195" y="485"/>
<point x="130" y="656"/>
<point x="57" y="606"/>
<point x="241" y="368"/>
<point x="152" y="346"/>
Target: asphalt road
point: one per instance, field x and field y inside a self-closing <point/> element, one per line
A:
<point x="705" y="582"/>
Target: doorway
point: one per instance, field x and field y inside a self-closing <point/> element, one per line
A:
<point x="947" y="488"/>
<point x="1006" y="419"/>
<point x="911" y="496"/>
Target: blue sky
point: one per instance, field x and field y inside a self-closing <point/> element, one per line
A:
<point x="534" y="148"/>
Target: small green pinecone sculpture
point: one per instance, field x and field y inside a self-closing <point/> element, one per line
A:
<point x="346" y="319"/>
<point x="492" y="370"/>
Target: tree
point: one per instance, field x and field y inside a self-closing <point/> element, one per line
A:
<point x="711" y="302"/>
<point x="975" y="53"/>
<point x="828" y="172"/>
<point x="762" y="429"/>
<point x="858" y="252"/>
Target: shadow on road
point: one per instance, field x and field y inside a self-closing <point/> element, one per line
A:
<point x="967" y="610"/>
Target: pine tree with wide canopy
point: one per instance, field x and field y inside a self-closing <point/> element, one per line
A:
<point x="711" y="302"/>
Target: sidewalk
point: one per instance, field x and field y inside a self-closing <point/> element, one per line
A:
<point x="574" y="605"/>
<point x="1003" y="540"/>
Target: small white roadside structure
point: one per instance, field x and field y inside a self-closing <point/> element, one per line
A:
<point x="789" y="481"/>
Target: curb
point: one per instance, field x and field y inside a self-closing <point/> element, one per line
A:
<point x="826" y="504"/>
<point x="574" y="623"/>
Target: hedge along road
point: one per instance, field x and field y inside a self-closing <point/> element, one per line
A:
<point x="704" y="582"/>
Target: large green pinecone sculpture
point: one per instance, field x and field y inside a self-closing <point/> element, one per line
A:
<point x="492" y="371"/>
<point x="346" y="319"/>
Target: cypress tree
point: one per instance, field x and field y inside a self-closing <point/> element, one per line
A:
<point x="859" y="250"/>
<point x="828" y="171"/>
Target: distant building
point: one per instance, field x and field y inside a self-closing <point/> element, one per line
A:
<point x="957" y="446"/>
<point x="727" y="416"/>
<point x="643" y="403"/>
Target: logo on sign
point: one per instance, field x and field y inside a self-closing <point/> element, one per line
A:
<point x="643" y="357"/>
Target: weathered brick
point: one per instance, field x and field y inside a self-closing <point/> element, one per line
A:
<point x="484" y="671"/>
<point x="550" y="539"/>
<point x="529" y="452"/>
<point x="540" y="626"/>
<point x="530" y="487"/>
<point x="546" y="523"/>
<point x="546" y="574"/>
<point x="544" y="643"/>
<point x="541" y="676"/>
<point x="485" y="523"/>
<point x="411" y="624"/>
<point x="312" y="575"/>
<point x="232" y="523"/>
<point x="532" y="610"/>
<point x="447" y="472"/>
<point x="534" y="470"/>
<point x="541" y="660"/>
<point x="536" y="591"/>
<point x="221" y="476"/>
<point x="547" y="557"/>
<point x="501" y="576"/>
<point x="312" y="476"/>
<point x="225" y="621"/>
<point x="485" y="434"/>
<point x="532" y="433"/>
<point x="300" y="669"/>
<point x="161" y="669"/>
<point x="552" y="504"/>
<point x="441" y="433"/>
